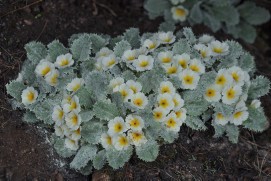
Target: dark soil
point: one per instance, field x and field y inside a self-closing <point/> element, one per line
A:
<point x="26" y="155"/>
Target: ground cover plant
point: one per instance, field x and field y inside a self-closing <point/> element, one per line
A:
<point x="234" y="17"/>
<point x="106" y="97"/>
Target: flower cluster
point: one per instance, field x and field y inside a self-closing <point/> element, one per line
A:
<point x="107" y="97"/>
<point x="237" y="21"/>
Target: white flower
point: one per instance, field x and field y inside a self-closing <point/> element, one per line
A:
<point x="172" y="68"/>
<point x="196" y="66"/>
<point x="125" y="92"/>
<point x="121" y="142"/>
<point x="183" y="60"/>
<point x="44" y="67"/>
<point x="98" y="65"/>
<point x="204" y="51"/>
<point x="165" y="57"/>
<point x="106" y="140"/>
<point x="181" y="114"/>
<point x="166" y="87"/>
<point x="67" y="131"/>
<point x="73" y="120"/>
<point x="52" y="77"/>
<point x="175" y="2"/>
<point x="143" y="63"/>
<point x="75" y="84"/>
<point x="63" y="61"/>
<point x="76" y="134"/>
<point x="116" y="126"/>
<point x="255" y="103"/>
<point x="179" y="13"/>
<point x="238" y="75"/>
<point x="212" y="93"/>
<point x="178" y="101"/>
<point x="223" y="78"/>
<point x="29" y="96"/>
<point x="189" y="79"/>
<point x="231" y="94"/>
<point x="71" y="105"/>
<point x="58" y="115"/>
<point x="129" y="56"/>
<point x="220" y="119"/>
<point x="66" y="99"/>
<point x="166" y="37"/>
<point x="109" y="61"/>
<point x="139" y="100"/>
<point x="134" y="86"/>
<point x="104" y="52"/>
<point x="165" y="101"/>
<point x="137" y="137"/>
<point x="151" y="44"/>
<point x="159" y="114"/>
<point x="219" y="48"/>
<point x="115" y="83"/>
<point x="205" y="39"/>
<point x="172" y="123"/>
<point x="239" y="117"/>
<point x="134" y="122"/>
<point x="59" y="131"/>
<point x="71" y="144"/>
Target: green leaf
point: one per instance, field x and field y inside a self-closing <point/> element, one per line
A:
<point x="189" y="35"/>
<point x="44" y="110"/>
<point x="86" y="170"/>
<point x="27" y="72"/>
<point x="182" y="46"/>
<point x="116" y="158"/>
<point x="257" y="120"/>
<point x="86" y="115"/>
<point x="196" y="13"/>
<point x="232" y="132"/>
<point x="35" y="51"/>
<point x="60" y="148"/>
<point x="225" y="109"/>
<point x="247" y="32"/>
<point x="211" y="21"/>
<point x="196" y="107"/>
<point x="85" y="98"/>
<point x="247" y="63"/>
<point x="118" y="101"/>
<point x="99" y="159"/>
<point x="15" y="89"/>
<point x="105" y="110"/>
<point x="259" y="87"/>
<point x="155" y="78"/>
<point x="121" y="47"/>
<point x="92" y="130"/>
<point x="132" y="36"/>
<point x="219" y="130"/>
<point x="148" y="152"/>
<point x="128" y="75"/>
<point x="169" y="136"/>
<point x="96" y="83"/>
<point x="167" y="26"/>
<point x="55" y="48"/>
<point x="235" y="50"/>
<point x="195" y="123"/>
<point x="30" y="117"/>
<point x="156" y="7"/>
<point x="83" y="156"/>
<point x="253" y="14"/>
<point x="227" y="14"/>
<point x="81" y="47"/>
<point x="98" y="42"/>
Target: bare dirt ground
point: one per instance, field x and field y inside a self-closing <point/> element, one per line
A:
<point x="24" y="150"/>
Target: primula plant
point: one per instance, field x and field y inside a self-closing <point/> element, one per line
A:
<point x="234" y="17"/>
<point x="106" y="98"/>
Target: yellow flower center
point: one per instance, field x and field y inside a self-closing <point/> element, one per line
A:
<point x="210" y="93"/>
<point x="138" y="102"/>
<point x="152" y="46"/>
<point x="163" y="103"/>
<point x="123" y="141"/>
<point x="78" y="131"/>
<point x="172" y="70"/>
<point x="179" y="114"/>
<point x="165" y="89"/>
<point x="144" y="63"/>
<point x="109" y="140"/>
<point x="45" y="71"/>
<point x="137" y="136"/>
<point x="30" y="96"/>
<point x="76" y="87"/>
<point x="171" y="123"/>
<point x="111" y="62"/>
<point x="180" y="12"/>
<point x="183" y="63"/>
<point x="230" y="94"/>
<point x="133" y="88"/>
<point x="73" y="105"/>
<point x="220" y="116"/>
<point x="237" y="115"/>
<point x="166" y="59"/>
<point x="64" y="62"/>
<point x="118" y="127"/>
<point x="195" y="68"/>
<point x="203" y="53"/>
<point x="54" y="79"/>
<point x="235" y="76"/>
<point x="135" y="123"/>
<point x="131" y="58"/>
<point x="123" y="93"/>
<point x="157" y="115"/>
<point x="176" y="103"/>
<point x="221" y="80"/>
<point x="188" y="79"/>
<point x="74" y="119"/>
<point x="60" y="114"/>
<point x="217" y="50"/>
